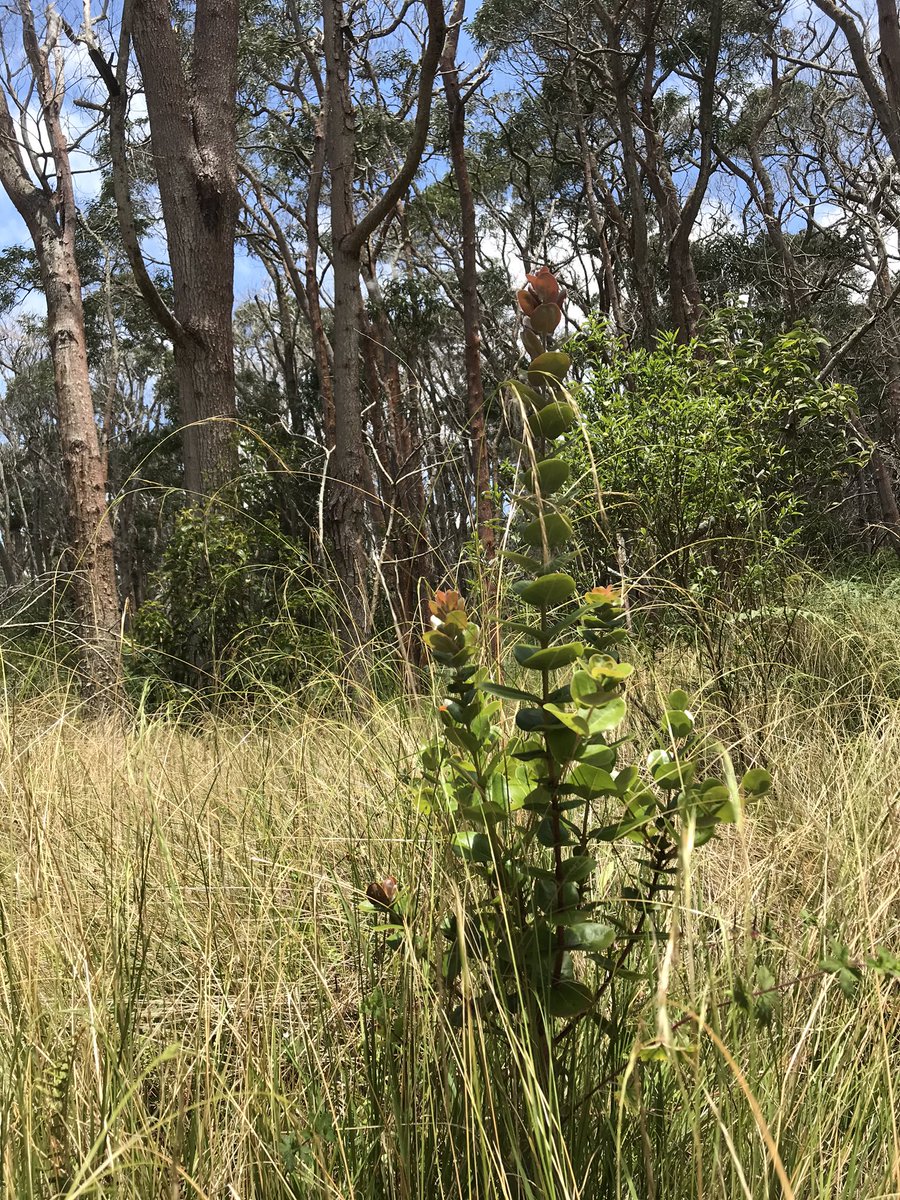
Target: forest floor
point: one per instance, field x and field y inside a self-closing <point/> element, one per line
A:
<point x="183" y="972"/>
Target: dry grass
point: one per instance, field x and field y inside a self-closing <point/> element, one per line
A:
<point x="184" y="985"/>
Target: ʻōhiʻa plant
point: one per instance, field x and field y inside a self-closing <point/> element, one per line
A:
<point x="537" y="810"/>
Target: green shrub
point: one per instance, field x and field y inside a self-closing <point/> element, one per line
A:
<point x="236" y="611"/>
<point x="540" y="952"/>
<point x="719" y="460"/>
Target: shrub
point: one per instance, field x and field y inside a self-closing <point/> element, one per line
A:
<point x="541" y="952"/>
<point x="233" y="612"/>
<point x="719" y="460"/>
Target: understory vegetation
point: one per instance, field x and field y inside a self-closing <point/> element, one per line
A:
<point x="193" y="1003"/>
<point x="449" y="600"/>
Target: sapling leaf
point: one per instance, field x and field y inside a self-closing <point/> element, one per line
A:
<point x="552" y="420"/>
<point x="678" y="723"/>
<point x="546" y="591"/>
<point x="544" y="319"/>
<point x="562" y="743"/>
<point x="553" y="658"/>
<point x="568" y="998"/>
<point x="509" y="693"/>
<point x="756" y="782"/>
<point x="592" y="781"/>
<point x="592" y="936"/>
<point x="607" y="716"/>
<point x="578" y="867"/>
<point x="571" y="720"/>
<point x="552" y="362"/>
<point x="556" y="528"/>
<point x="549" y="476"/>
<point x="472" y="846"/>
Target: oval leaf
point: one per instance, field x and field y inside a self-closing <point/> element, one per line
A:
<point x="554" y="526"/>
<point x="472" y="846"/>
<point x="553" y="658"/>
<point x="756" y="782"/>
<point x="551" y="362"/>
<point x="533" y="344"/>
<point x="549" y="476"/>
<point x="608" y="715"/>
<point x="545" y="318"/>
<point x="546" y="590"/>
<point x="568" y="998"/>
<point x="592" y="936"/>
<point x="552" y="420"/>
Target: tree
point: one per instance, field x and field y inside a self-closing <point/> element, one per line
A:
<point x="468" y="283"/>
<point x="351" y="489"/>
<point x="191" y="106"/>
<point x="44" y="196"/>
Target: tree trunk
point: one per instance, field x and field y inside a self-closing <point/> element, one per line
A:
<point x="94" y="579"/>
<point x="351" y="489"/>
<point x="193" y="132"/>
<point x="51" y="220"/>
<point x="349" y="495"/>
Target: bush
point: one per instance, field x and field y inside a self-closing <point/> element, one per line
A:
<point x="539" y="952"/>
<point x="719" y="460"/>
<point x="236" y="611"/>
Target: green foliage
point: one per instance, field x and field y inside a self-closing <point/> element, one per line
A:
<point x="539" y="810"/>
<point x="721" y="458"/>
<point x="229" y="616"/>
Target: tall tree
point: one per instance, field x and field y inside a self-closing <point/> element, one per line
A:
<point x="190" y="84"/>
<point x="351" y="486"/>
<point x="468" y="282"/>
<point x="45" y="199"/>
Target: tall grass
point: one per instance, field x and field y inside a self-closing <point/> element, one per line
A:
<point x="192" y="1005"/>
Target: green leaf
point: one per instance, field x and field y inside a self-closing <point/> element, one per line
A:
<point x="546" y="590"/>
<point x="546" y="834"/>
<point x="568" y="998"/>
<point x="578" y="867"/>
<point x="551" y="362"/>
<point x="608" y="716"/>
<point x="549" y="476"/>
<point x="562" y="743"/>
<point x="472" y="846"/>
<point x="592" y="781"/>
<point x="756" y="782"/>
<point x="532" y="343"/>
<point x="673" y="774"/>
<point x="553" y="658"/>
<point x="545" y="319"/>
<point x="525" y="561"/>
<point x="678" y="723"/>
<point x="532" y="720"/>
<point x="592" y="936"/>
<point x="554" y="526"/>
<point x="552" y="420"/>
<point x="571" y="720"/>
<point x="678" y="700"/>
<point x="439" y="642"/>
<point x="604" y="666"/>
<point x="526" y="393"/>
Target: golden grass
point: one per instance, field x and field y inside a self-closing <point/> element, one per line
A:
<point x="183" y="980"/>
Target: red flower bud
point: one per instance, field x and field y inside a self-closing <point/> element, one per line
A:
<point x="383" y="892"/>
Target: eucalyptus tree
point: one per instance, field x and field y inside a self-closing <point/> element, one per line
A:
<point x="37" y="174"/>
<point x="189" y="78"/>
